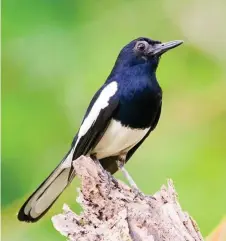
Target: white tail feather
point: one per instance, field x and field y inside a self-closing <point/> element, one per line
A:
<point x="48" y="196"/>
<point x="45" y="195"/>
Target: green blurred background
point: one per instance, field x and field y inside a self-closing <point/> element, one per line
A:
<point x="56" y="54"/>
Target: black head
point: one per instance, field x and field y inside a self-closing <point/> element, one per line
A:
<point x="144" y="50"/>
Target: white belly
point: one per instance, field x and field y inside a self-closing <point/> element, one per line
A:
<point x="117" y="140"/>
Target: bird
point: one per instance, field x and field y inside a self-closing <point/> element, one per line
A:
<point x="120" y="116"/>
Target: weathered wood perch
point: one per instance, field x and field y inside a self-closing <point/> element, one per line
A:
<point x="113" y="212"/>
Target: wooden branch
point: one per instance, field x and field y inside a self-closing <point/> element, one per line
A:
<point x="114" y="212"/>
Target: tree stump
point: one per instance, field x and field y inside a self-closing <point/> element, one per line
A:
<point x="113" y="212"/>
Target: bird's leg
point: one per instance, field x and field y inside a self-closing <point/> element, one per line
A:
<point x="97" y="162"/>
<point x="133" y="185"/>
<point x="110" y="177"/>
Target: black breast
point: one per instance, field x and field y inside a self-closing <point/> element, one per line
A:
<point x="138" y="106"/>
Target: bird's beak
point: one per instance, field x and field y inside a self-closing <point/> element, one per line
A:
<point x="161" y="48"/>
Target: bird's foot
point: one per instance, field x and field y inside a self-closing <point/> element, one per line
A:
<point x="113" y="179"/>
<point x="110" y="177"/>
<point x="137" y="192"/>
<point x="133" y="185"/>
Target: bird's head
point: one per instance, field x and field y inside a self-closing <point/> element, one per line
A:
<point x="144" y="50"/>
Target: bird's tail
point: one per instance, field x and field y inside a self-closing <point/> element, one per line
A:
<point x="48" y="192"/>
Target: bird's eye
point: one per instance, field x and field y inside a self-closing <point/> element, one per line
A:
<point x="141" y="46"/>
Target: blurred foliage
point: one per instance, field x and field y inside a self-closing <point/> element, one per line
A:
<point x="56" y="54"/>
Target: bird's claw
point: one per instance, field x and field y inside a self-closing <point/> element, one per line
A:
<point x="137" y="192"/>
<point x="112" y="179"/>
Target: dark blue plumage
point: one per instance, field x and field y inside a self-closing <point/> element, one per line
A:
<point x="140" y="96"/>
<point x="121" y="115"/>
<point x="139" y="91"/>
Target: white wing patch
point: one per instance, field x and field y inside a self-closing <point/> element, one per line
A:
<point x="101" y="103"/>
<point x="58" y="180"/>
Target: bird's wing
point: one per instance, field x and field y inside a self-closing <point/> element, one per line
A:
<point x="96" y="120"/>
<point x="154" y="124"/>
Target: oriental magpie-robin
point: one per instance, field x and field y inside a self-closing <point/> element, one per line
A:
<point x="119" y="118"/>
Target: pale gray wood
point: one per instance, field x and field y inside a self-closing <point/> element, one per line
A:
<point x="116" y="213"/>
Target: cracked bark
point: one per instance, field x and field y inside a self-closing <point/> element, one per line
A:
<point x="113" y="212"/>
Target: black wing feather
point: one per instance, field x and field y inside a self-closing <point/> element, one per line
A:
<point x="97" y="130"/>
